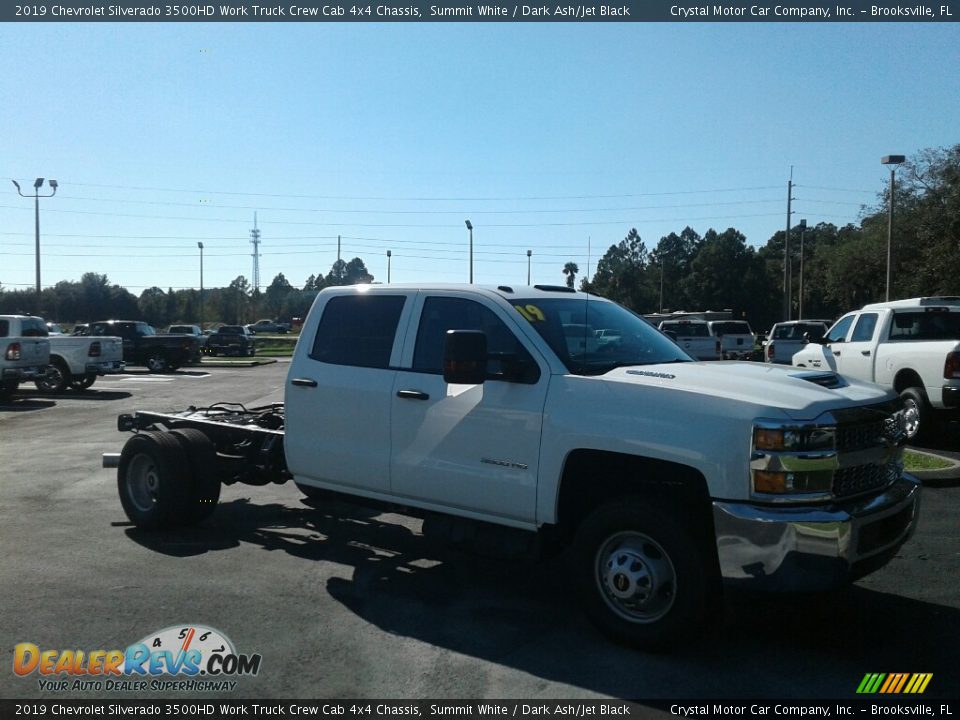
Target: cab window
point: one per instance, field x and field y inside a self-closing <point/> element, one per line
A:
<point x="838" y="333"/>
<point x="358" y="330"/>
<point x="504" y="350"/>
<point x="863" y="332"/>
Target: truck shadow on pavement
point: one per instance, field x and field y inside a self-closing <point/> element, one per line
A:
<point x="89" y="395"/>
<point x="24" y="404"/>
<point x="522" y="614"/>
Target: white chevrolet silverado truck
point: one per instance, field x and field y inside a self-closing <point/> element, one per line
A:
<point x="909" y="346"/>
<point x="659" y="476"/>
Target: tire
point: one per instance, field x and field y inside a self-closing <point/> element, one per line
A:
<point x="156" y="362"/>
<point x="643" y="579"/>
<point x="251" y="351"/>
<point x="919" y="416"/>
<point x="57" y="378"/>
<point x="204" y="490"/>
<point x="84" y="382"/>
<point x="153" y="480"/>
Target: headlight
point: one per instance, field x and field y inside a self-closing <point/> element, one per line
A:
<point x="810" y="438"/>
<point x="793" y="460"/>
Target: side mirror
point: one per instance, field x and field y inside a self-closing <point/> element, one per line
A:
<point x="465" y="357"/>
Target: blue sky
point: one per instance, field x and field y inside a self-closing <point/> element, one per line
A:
<point x="556" y="138"/>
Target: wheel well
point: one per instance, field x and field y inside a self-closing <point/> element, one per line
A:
<point x="905" y="379"/>
<point x="594" y="477"/>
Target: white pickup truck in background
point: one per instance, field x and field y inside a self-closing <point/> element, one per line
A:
<point x="24" y="351"/>
<point x="737" y="340"/>
<point x="909" y="346"/>
<point x="694" y="337"/>
<point x="479" y="410"/>
<point x="76" y="361"/>
<point x="73" y="361"/>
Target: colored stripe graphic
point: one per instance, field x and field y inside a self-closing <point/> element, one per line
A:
<point x="894" y="683"/>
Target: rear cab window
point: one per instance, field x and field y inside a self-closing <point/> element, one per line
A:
<point x="358" y="330"/>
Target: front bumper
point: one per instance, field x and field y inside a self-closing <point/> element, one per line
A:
<point x="813" y="548"/>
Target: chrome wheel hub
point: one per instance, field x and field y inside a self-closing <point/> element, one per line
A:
<point x="636" y="577"/>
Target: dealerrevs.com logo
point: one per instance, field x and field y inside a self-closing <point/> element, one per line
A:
<point x="197" y="657"/>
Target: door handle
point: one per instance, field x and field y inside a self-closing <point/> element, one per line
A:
<point x="837" y="353"/>
<point x="865" y="353"/>
<point x="304" y="382"/>
<point x="412" y="395"/>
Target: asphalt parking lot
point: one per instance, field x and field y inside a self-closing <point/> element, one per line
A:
<point x="342" y="602"/>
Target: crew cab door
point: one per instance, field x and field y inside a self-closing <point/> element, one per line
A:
<point x="339" y="392"/>
<point x="469" y="447"/>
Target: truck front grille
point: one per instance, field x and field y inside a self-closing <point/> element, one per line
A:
<point x="863" y="478"/>
<point x="861" y="436"/>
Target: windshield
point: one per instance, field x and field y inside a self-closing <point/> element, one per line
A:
<point x="594" y="336"/>
<point x="796" y="332"/>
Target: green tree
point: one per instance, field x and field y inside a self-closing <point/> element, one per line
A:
<point x="570" y="270"/>
<point x="621" y="274"/>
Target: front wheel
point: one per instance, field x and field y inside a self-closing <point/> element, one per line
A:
<point x="643" y="577"/>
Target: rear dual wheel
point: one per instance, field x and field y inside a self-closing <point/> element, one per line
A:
<point x="167" y="479"/>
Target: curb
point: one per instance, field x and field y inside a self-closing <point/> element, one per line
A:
<point x="237" y="363"/>
<point x="938" y="478"/>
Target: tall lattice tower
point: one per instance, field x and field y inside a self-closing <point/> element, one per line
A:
<point x="255" y="241"/>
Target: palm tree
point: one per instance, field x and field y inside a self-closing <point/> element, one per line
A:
<point x="571" y="270"/>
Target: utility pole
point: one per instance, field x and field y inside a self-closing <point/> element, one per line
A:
<point x="389" y="255"/>
<point x="892" y="161"/>
<point x="529" y="253"/>
<point x="200" y="245"/>
<point x="255" y="241"/>
<point x="786" y="253"/>
<point x="803" y="231"/>
<point x="38" y="183"/>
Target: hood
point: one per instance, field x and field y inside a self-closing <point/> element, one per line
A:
<point x="801" y="394"/>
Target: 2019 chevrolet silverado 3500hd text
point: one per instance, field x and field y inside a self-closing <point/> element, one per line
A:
<point x="470" y="407"/>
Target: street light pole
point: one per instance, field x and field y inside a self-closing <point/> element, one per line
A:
<point x="470" y="228"/>
<point x="389" y="255"/>
<point x="892" y="161"/>
<point x="529" y="253"/>
<point x="200" y="245"/>
<point x="803" y="230"/>
<point x="38" y="183"/>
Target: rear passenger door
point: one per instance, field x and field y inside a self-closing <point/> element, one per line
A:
<point x="469" y="447"/>
<point x="339" y="394"/>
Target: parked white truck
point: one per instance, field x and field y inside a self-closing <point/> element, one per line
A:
<point x="466" y="406"/>
<point x="24" y="351"/>
<point x="77" y="361"/>
<point x="909" y="346"/>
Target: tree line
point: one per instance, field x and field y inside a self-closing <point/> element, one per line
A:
<point x="843" y="268"/>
